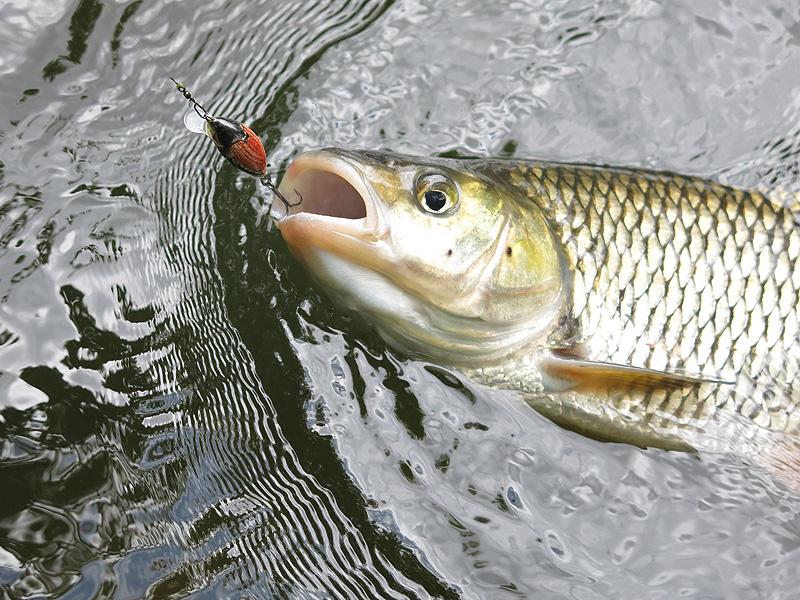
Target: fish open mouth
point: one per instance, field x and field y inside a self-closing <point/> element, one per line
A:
<point x="323" y="185"/>
<point x="327" y="194"/>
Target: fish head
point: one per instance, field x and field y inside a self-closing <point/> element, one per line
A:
<point x="447" y="259"/>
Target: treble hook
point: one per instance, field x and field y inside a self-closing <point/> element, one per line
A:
<point x="267" y="181"/>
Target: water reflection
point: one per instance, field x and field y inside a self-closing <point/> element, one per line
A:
<point x="501" y="501"/>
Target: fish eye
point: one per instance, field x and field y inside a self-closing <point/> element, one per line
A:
<point x="437" y="194"/>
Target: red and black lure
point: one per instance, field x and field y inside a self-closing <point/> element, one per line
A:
<point x="237" y="143"/>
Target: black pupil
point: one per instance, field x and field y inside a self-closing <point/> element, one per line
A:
<point x="435" y="200"/>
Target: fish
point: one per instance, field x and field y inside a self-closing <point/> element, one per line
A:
<point x="627" y="305"/>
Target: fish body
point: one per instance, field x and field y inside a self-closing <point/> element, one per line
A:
<point x="630" y="305"/>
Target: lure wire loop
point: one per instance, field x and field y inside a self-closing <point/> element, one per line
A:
<point x="202" y="112"/>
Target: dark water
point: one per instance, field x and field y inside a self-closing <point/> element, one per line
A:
<point x="182" y="413"/>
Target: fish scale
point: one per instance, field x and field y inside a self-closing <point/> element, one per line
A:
<point x="680" y="274"/>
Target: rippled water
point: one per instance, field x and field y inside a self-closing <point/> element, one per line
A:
<point x="182" y="413"/>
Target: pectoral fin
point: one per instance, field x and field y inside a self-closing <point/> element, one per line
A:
<point x="562" y="372"/>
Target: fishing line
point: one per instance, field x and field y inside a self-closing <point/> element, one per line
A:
<point x="235" y="141"/>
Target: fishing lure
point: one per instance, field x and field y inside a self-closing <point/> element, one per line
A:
<point x="235" y="141"/>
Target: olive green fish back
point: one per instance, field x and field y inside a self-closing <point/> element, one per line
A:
<point x="683" y="275"/>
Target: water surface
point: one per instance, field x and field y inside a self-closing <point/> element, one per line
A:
<point x="183" y="413"/>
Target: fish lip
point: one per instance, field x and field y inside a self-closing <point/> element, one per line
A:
<point x="334" y="169"/>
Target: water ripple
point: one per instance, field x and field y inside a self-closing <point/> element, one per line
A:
<point x="495" y="500"/>
<point x="194" y="487"/>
